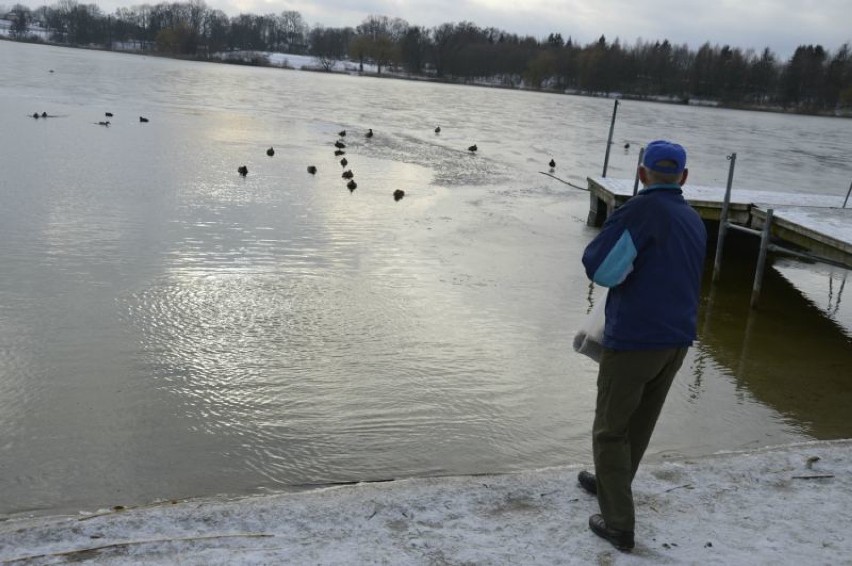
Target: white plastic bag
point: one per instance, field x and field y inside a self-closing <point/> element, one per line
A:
<point x="589" y="338"/>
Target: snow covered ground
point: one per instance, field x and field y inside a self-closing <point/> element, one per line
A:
<point x="34" y="30"/>
<point x="783" y="505"/>
<point x="298" y="62"/>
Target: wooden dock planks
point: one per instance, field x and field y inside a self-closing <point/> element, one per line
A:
<point x="814" y="222"/>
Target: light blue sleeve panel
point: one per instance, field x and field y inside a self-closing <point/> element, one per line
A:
<point x="618" y="263"/>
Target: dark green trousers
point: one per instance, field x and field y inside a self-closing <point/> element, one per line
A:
<point x="632" y="387"/>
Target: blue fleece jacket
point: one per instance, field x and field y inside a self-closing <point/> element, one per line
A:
<point x="650" y="253"/>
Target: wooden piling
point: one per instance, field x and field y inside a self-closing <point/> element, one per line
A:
<point x="761" y="258"/>
<point x="609" y="139"/>
<point x="638" y="165"/>
<point x="723" y="220"/>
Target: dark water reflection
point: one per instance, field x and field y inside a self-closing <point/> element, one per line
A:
<point x="787" y="353"/>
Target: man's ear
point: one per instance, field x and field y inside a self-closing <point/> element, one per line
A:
<point x="643" y="175"/>
<point x="684" y="176"/>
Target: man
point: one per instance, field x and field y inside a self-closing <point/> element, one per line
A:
<point x="650" y="253"/>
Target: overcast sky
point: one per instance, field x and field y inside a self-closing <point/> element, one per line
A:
<point x="781" y="25"/>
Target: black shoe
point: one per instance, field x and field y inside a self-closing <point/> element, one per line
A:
<point x="622" y="540"/>
<point x="588" y="482"/>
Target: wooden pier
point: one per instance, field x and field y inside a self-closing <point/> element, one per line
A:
<point x="814" y="223"/>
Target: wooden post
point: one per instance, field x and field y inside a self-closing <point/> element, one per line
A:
<point x="761" y="258"/>
<point x="723" y="220"/>
<point x="638" y="164"/>
<point x="847" y="195"/>
<point x="609" y="139"/>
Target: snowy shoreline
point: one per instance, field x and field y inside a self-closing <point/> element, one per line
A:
<point x="779" y="505"/>
<point x="310" y="63"/>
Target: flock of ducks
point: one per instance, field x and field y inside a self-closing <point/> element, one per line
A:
<point x="340" y="151"/>
<point x="104" y="123"/>
<point x="349" y="175"/>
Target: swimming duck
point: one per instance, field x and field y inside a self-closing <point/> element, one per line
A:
<point x="348" y="174"/>
<point x="143" y="119"/>
<point x="472" y="148"/>
<point x="108" y="114"/>
<point x="339" y="144"/>
<point x="342" y="133"/>
<point x="552" y="164"/>
<point x="398" y="194"/>
<point x="369" y="133"/>
<point x="339" y="152"/>
<point x="242" y="170"/>
<point x="270" y="152"/>
<point x="344" y="162"/>
<point x="351" y="185"/>
<point x="438" y="130"/>
<point x="312" y="170"/>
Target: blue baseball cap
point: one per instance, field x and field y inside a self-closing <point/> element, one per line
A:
<point x="658" y="152"/>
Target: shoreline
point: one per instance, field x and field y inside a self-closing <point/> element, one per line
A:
<point x="789" y="504"/>
<point x="444" y="80"/>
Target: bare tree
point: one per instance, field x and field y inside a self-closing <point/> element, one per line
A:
<point x="21" y="16"/>
<point x="294" y="30"/>
<point x="328" y="45"/>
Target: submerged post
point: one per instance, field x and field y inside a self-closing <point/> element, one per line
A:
<point x="847" y="195"/>
<point x="638" y="164"/>
<point x="609" y="139"/>
<point x="761" y="258"/>
<point x="723" y="219"/>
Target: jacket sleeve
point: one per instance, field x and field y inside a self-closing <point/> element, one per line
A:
<point x="608" y="258"/>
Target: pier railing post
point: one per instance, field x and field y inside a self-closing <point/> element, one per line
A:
<point x="638" y="164"/>
<point x="847" y="195"/>
<point x="609" y="138"/>
<point x="761" y="258"/>
<point x="723" y="219"/>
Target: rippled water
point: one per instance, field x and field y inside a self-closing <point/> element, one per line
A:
<point x="169" y="329"/>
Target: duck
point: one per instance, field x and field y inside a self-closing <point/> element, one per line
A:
<point x="627" y="145"/>
<point x="438" y="130"/>
<point x="348" y="174"/>
<point x="342" y="133"/>
<point x="270" y="152"/>
<point x="344" y="162"/>
<point x="472" y="148"/>
<point x="351" y="185"/>
<point x="312" y="170"/>
<point x="242" y="170"/>
<point x="143" y="119"/>
<point x="552" y="164"/>
<point x="108" y="114"/>
<point x="369" y="133"/>
<point x="398" y="194"/>
<point x="104" y="123"/>
<point x="44" y="114"/>
<point x="339" y="152"/>
<point x="35" y="115"/>
<point x="339" y="144"/>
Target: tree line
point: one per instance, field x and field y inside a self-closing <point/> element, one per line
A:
<point x="812" y="80"/>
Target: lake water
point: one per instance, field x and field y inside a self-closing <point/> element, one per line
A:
<point x="169" y="329"/>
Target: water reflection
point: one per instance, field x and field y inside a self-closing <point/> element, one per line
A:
<point x="788" y="353"/>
